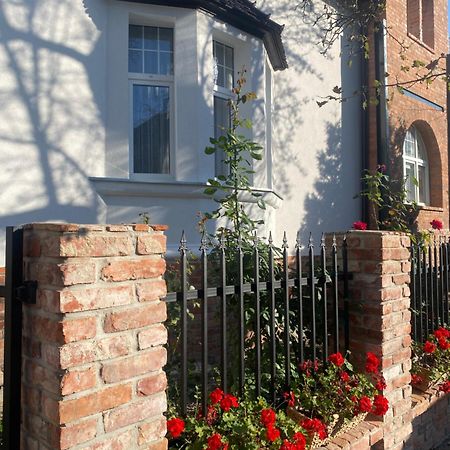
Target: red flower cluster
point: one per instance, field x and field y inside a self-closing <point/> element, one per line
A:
<point x="299" y="443"/>
<point x="290" y="398"/>
<point x="344" y="376"/>
<point x="215" y="443"/>
<point x="436" y="224"/>
<point x="380" y="405"/>
<point x="227" y="401"/>
<point x="416" y="379"/>
<point x="175" y="427"/>
<point x="360" y="225"/>
<point x="380" y="384"/>
<point x="445" y="387"/>
<point x="268" y="417"/>
<point x="337" y="359"/>
<point x="429" y="347"/>
<point x="307" y="366"/>
<point x="372" y="363"/>
<point x="272" y="433"/>
<point x="315" y="426"/>
<point x="365" y="404"/>
<point x="442" y="333"/>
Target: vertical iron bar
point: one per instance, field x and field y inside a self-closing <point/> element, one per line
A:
<point x="273" y="355"/>
<point x="436" y="288"/>
<point x="240" y="257"/>
<point x="204" y="302"/>
<point x="13" y="340"/>
<point x="441" y="282"/>
<point x="287" y="331"/>
<point x="430" y="288"/>
<point x="419" y="300"/>
<point x="298" y="256"/>
<point x="257" y="318"/>
<point x="223" y="322"/>
<point x="313" y="297"/>
<point x="413" y="293"/>
<point x="335" y="294"/>
<point x="184" y="307"/>
<point x="323" y="258"/>
<point x="346" y="295"/>
<point x="446" y="288"/>
<point x="425" y="289"/>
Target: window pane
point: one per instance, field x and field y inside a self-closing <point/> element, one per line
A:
<point x="151" y="62"/>
<point x="220" y="76"/>
<point x="166" y="63"/>
<point x="135" y="36"/>
<point x="409" y="145"/>
<point x="421" y="151"/>
<point x="135" y="61"/>
<point x="229" y="79"/>
<point x="151" y="38"/>
<point x="410" y="181"/>
<point x="166" y="39"/>
<point x="422" y="185"/>
<point x="229" y="60"/>
<point x="219" y="53"/>
<point x="222" y="122"/>
<point x="151" y="129"/>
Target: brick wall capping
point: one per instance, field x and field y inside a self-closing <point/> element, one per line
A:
<point x="75" y="228"/>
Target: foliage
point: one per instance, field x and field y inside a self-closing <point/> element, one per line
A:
<point x="390" y="198"/>
<point x="432" y="357"/>
<point x="324" y="391"/>
<point x="236" y="424"/>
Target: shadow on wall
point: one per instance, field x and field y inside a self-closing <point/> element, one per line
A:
<point x="46" y="151"/>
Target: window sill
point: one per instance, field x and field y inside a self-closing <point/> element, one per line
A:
<point x="123" y="187"/>
<point x="430" y="208"/>
<point x="421" y="43"/>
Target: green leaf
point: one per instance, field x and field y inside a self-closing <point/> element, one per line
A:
<point x="210" y="150"/>
<point x="210" y="191"/>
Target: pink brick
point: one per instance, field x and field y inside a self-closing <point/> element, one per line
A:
<point x="138" y="317"/>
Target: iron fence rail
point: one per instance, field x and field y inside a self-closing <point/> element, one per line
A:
<point x="430" y="270"/>
<point x="285" y="291"/>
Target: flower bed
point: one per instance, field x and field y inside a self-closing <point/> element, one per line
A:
<point x="326" y="400"/>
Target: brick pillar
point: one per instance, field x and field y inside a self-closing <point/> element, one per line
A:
<point x="93" y="345"/>
<point x="380" y="320"/>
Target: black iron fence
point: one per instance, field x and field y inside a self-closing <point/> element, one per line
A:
<point x="430" y="272"/>
<point x="273" y="310"/>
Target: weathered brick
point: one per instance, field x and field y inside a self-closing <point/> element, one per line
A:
<point x="123" y="441"/>
<point x="152" y="431"/>
<point x="125" y="368"/>
<point x="152" y="337"/>
<point x="94" y="245"/>
<point x="151" y="290"/>
<point x="138" y="317"/>
<point x="107" y="398"/>
<point x="78" y="380"/>
<point x="134" y="269"/>
<point x="152" y="384"/>
<point x="151" y="244"/>
<point x="78" y="433"/>
<point x="134" y="412"/>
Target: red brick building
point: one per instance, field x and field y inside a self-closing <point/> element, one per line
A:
<point x="407" y="130"/>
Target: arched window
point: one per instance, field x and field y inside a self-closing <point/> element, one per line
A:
<point x="415" y="167"/>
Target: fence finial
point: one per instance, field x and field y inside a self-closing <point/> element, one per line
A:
<point x="203" y="242"/>
<point x="322" y="241"/>
<point x="270" y="239"/>
<point x="311" y="241"/>
<point x="334" y="241"/>
<point x="182" y="247"/>
<point x="255" y="238"/>
<point x="298" y="244"/>
<point x="222" y="240"/>
<point x="285" y="241"/>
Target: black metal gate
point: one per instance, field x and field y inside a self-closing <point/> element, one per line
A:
<point x="15" y="291"/>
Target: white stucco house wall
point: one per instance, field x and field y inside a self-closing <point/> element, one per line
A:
<point x="75" y="73"/>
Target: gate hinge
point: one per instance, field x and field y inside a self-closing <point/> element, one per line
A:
<point x="27" y="292"/>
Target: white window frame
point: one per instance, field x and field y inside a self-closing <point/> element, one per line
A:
<point x="220" y="91"/>
<point x="145" y="79"/>
<point x="417" y="162"/>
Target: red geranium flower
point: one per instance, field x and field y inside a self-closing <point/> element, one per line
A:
<point x="436" y="224"/>
<point x="360" y="225"/>
<point x="380" y="405"/>
<point x="215" y="442"/>
<point x="381" y="384"/>
<point x="228" y="402"/>
<point x="337" y="359"/>
<point x="443" y="344"/>
<point x="290" y="398"/>
<point x="445" y="387"/>
<point x="442" y="333"/>
<point x="365" y="404"/>
<point x="315" y="426"/>
<point x="272" y="433"/>
<point x="268" y="417"/>
<point x="416" y="379"/>
<point x="429" y="347"/>
<point x="215" y="396"/>
<point x="345" y="377"/>
<point x="372" y="363"/>
<point x="175" y="427"/>
<point x="211" y="415"/>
